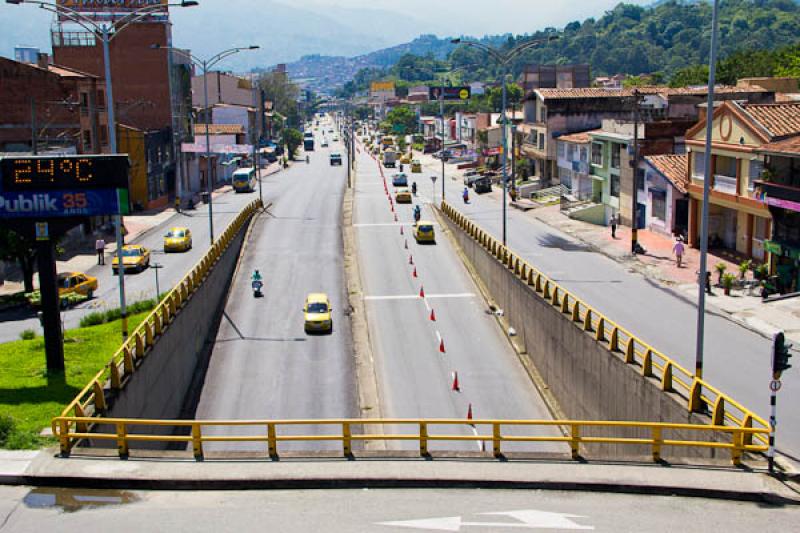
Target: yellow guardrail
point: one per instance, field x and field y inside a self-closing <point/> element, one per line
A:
<point x="269" y="432"/>
<point x="618" y="340"/>
<point x="127" y="358"/>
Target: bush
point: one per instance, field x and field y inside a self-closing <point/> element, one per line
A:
<point x="7" y="426"/>
<point x="95" y="318"/>
<point x="101" y="317"/>
<point x="27" y="335"/>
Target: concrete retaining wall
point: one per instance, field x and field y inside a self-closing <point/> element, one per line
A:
<point x="588" y="381"/>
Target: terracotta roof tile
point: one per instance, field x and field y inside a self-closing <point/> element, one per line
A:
<point x="601" y="92"/>
<point x="790" y="146"/>
<point x="219" y="129"/>
<point x="674" y="167"/>
<point x="580" y="137"/>
<point x="779" y="119"/>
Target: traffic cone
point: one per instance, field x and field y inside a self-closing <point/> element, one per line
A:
<point x="406" y="245"/>
<point x="395" y="217"/>
<point x="422" y="292"/>
<point x="455" y="386"/>
<point x="469" y="412"/>
<point x="441" y="346"/>
<point x="415" y="272"/>
<point x="401" y="232"/>
<point x="410" y="259"/>
<point x="433" y="316"/>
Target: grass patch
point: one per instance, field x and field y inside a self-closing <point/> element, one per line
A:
<point x="27" y="335"/>
<point x="28" y="401"/>
<point x="96" y="318"/>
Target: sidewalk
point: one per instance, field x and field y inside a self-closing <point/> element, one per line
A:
<point x="659" y="265"/>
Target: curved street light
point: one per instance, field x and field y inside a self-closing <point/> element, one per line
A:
<point x="205" y="65"/>
<point x="106" y="32"/>
<point x="503" y="59"/>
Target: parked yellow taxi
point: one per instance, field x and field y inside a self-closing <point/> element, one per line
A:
<point x="178" y="239"/>
<point x="406" y="159"/>
<point x="416" y="166"/>
<point x="76" y="283"/>
<point x="134" y="257"/>
<point x="423" y="232"/>
<point x="317" y="313"/>
<point x="402" y="196"/>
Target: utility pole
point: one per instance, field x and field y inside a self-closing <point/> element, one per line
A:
<point x="635" y="165"/>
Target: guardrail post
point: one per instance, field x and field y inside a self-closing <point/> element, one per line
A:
<point x="747" y="422"/>
<point x="139" y="343"/>
<point x="538" y="282"/>
<point x="197" y="442"/>
<point x="647" y="363"/>
<point x="546" y="290"/>
<point x="613" y="344"/>
<point x="554" y="300"/>
<point x="738" y="445"/>
<point x="666" y="377"/>
<point x="600" y="334"/>
<point x="587" y="320"/>
<point x="116" y="379"/>
<point x="99" y="397"/>
<point x="656" y="443"/>
<point x="80" y="427"/>
<point x="718" y="413"/>
<point x="346" y="439"/>
<point x="630" y="351"/>
<point x="423" y="439"/>
<point x="127" y="360"/>
<point x="575" y="439"/>
<point x="496" y="439"/>
<point x="695" y="398"/>
<point x="272" y="441"/>
<point x="63" y="437"/>
<point x="576" y="311"/>
<point x="158" y="324"/>
<point x="122" y="440"/>
<point x="148" y="334"/>
<point x="565" y="303"/>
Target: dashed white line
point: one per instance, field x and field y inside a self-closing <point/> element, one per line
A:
<point x="416" y="296"/>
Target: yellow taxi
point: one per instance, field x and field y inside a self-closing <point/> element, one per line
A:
<point x="406" y="159"/>
<point x="317" y="313"/>
<point x="416" y="166"/>
<point x="402" y="196"/>
<point x="76" y="283"/>
<point x="178" y="239"/>
<point x="423" y="232"/>
<point x="134" y="257"/>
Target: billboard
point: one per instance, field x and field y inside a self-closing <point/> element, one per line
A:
<point x="103" y="9"/>
<point x="382" y="86"/>
<point x="63" y="186"/>
<point x="449" y="93"/>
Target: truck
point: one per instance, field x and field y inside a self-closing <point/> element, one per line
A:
<point x="389" y="158"/>
<point x="308" y="141"/>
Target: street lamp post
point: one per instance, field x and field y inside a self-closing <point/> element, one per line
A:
<point x="106" y="32"/>
<point x="205" y="65"/>
<point x="504" y="59"/>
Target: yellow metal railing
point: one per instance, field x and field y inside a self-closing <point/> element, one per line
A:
<point x="127" y="358"/>
<point x="618" y="340"/>
<point x="270" y="432"/>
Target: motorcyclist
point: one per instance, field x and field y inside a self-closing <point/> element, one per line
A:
<point x="417" y="213"/>
<point x="466" y="195"/>
<point x="256" y="283"/>
<point x="414" y="188"/>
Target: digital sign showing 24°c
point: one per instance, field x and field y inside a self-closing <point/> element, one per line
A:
<point x="63" y="186"/>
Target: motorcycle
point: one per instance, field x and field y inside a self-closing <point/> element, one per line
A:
<point x="417" y="214"/>
<point x="466" y="196"/>
<point x="414" y="188"/>
<point x="257" y="285"/>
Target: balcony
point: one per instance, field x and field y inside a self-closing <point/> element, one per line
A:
<point x="725" y="184"/>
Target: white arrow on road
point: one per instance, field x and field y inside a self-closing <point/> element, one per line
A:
<point x="527" y="519"/>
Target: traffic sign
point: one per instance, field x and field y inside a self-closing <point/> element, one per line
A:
<point x="433" y="179"/>
<point x="449" y="93"/>
<point x="775" y="385"/>
<point x="42" y="231"/>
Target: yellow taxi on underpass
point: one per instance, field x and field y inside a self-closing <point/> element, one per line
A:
<point x="178" y="239"/>
<point x="402" y="196"/>
<point x="317" y="313"/>
<point x="423" y="232"/>
<point x="134" y="257"/>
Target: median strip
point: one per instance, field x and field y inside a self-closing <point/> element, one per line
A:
<point x="416" y="296"/>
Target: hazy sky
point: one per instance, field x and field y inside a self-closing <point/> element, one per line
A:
<point x="479" y="17"/>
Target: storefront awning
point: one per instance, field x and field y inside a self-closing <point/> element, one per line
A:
<point x="782" y="249"/>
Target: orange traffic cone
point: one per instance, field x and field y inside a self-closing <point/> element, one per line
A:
<point x="469" y="412"/>
<point x="422" y="292"/>
<point x="441" y="346"/>
<point x="415" y="272"/>
<point x="455" y="382"/>
<point x="433" y="316"/>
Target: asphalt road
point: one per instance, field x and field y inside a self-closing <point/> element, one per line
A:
<point x="141" y="286"/>
<point x="386" y="510"/>
<point x="263" y="365"/>
<point x="415" y="379"/>
<point x="737" y="360"/>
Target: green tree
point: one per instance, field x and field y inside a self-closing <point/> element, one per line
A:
<point x="402" y="118"/>
<point x="21" y="250"/>
<point x="514" y="95"/>
<point x="283" y="94"/>
<point x="292" y="139"/>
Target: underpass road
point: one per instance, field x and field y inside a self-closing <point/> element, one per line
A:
<point x="263" y="364"/>
<point x="737" y="360"/>
<point x="414" y="378"/>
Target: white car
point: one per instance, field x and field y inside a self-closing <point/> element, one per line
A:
<point x="336" y="138"/>
<point x="324" y="143"/>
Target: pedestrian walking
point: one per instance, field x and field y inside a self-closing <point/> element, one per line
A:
<point x="613" y="223"/>
<point x="678" y="250"/>
<point x="100" y="247"/>
<point x="708" y="283"/>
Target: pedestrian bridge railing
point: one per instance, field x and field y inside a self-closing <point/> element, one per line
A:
<point x="124" y="363"/>
<point x="700" y="395"/>
<point x="348" y="431"/>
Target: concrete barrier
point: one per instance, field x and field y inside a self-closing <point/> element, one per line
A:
<point x="577" y="354"/>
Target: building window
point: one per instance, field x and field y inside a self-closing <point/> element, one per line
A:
<point x="541" y="141"/>
<point x="615" y="155"/>
<point x="103" y="134"/>
<point x="597" y="154"/>
<point x="570" y="152"/>
<point x="760" y="229"/>
<point x="614" y="186"/>
<point x="699" y="165"/>
<point x="755" y="170"/>
<point x="84" y="100"/>
<point x="726" y="166"/>
<point x="562" y="150"/>
<point x="584" y="154"/>
<point x="659" y="204"/>
<point x="101" y="99"/>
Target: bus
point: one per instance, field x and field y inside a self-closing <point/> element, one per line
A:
<point x="244" y="180"/>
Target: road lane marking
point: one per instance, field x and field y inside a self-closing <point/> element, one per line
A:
<point x="416" y="296"/>
<point x="393" y="224"/>
<point x="481" y="444"/>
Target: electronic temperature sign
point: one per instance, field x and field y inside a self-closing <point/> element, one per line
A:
<point x="63" y="186"/>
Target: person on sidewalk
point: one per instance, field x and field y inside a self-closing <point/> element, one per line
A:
<point x="678" y="250"/>
<point x="100" y="248"/>
<point x="613" y="223"/>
